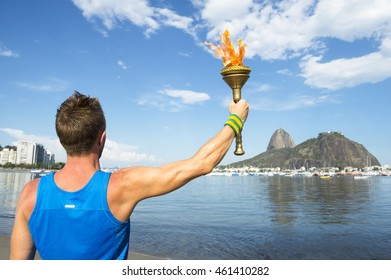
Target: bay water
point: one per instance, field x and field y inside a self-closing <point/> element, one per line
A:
<point x="253" y="217"/>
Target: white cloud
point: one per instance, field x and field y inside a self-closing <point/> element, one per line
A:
<point x="274" y="30"/>
<point x="185" y="54"/>
<point x="169" y="18"/>
<point x="216" y="12"/>
<point x="284" y="29"/>
<point x="173" y="100"/>
<point x="49" y="85"/>
<point x="350" y="20"/>
<point x="138" y="12"/>
<point x="346" y="73"/>
<point x="122" y="64"/>
<point x="285" y="72"/>
<point x="301" y="28"/>
<point x="4" y="51"/>
<point x="160" y="103"/>
<point x="261" y="87"/>
<point x="186" y="96"/>
<point x="114" y="154"/>
<point x="293" y="102"/>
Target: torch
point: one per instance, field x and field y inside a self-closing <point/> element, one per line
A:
<point x="235" y="74"/>
<point x="236" y="77"/>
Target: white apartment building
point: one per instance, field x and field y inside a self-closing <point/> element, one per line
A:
<point x="7" y="155"/>
<point x="26" y="152"/>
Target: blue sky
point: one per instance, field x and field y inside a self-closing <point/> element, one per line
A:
<point x="316" y="66"/>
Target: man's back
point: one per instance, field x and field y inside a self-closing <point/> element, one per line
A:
<point x="77" y="225"/>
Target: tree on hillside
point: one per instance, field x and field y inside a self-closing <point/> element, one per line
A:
<point x="10" y="147"/>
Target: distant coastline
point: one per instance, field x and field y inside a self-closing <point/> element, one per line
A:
<point x="15" y="169"/>
<point x="321" y="172"/>
<point x="23" y="169"/>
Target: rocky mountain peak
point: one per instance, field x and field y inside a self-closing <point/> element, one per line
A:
<point x="280" y="139"/>
<point x="329" y="149"/>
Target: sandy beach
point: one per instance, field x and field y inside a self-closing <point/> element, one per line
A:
<point x="5" y="251"/>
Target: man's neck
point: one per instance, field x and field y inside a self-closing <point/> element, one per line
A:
<point x="77" y="171"/>
<point x="90" y="161"/>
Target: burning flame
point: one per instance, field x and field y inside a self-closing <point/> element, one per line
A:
<point x="227" y="51"/>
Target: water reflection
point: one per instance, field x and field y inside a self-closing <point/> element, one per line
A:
<point x="11" y="184"/>
<point x="333" y="201"/>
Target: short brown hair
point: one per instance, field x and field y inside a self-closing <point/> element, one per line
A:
<point x="79" y="121"/>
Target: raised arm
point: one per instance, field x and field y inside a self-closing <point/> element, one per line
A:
<point x="137" y="183"/>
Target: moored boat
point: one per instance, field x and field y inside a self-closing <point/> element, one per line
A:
<point x="360" y="177"/>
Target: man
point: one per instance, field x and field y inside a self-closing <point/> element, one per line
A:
<point x="81" y="212"/>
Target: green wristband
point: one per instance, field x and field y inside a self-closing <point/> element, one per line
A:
<point x="235" y="123"/>
<point x="237" y="119"/>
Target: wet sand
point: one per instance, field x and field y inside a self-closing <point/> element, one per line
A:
<point x="5" y="251"/>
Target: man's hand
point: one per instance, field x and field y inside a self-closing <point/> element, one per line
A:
<point x="240" y="109"/>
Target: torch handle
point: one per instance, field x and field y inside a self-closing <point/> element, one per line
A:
<point x="239" y="143"/>
<point x="239" y="146"/>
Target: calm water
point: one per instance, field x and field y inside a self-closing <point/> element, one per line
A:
<point x="254" y="218"/>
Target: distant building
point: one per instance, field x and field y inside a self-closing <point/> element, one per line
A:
<point x="7" y="155"/>
<point x="26" y="153"/>
<point x="40" y="153"/>
<point x="49" y="158"/>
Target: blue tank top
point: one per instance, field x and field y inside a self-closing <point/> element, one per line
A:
<point x="77" y="225"/>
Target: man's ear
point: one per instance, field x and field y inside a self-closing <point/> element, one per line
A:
<point x="102" y="139"/>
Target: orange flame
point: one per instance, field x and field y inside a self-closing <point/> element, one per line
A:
<point x="227" y="51"/>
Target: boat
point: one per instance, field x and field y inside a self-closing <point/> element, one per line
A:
<point x="360" y="177"/>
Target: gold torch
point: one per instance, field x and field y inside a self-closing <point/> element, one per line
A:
<point x="235" y="74"/>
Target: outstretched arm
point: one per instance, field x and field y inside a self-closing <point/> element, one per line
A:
<point x="137" y="183"/>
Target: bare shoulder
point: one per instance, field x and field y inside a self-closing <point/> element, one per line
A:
<point x="28" y="197"/>
<point x="30" y="189"/>
<point x="128" y="183"/>
<point x="120" y="176"/>
<point x="122" y="194"/>
<point x="120" y="179"/>
<point x="131" y="175"/>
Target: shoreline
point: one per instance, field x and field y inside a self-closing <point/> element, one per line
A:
<point x="5" y="251"/>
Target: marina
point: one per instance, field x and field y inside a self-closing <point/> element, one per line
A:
<point x="321" y="172"/>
